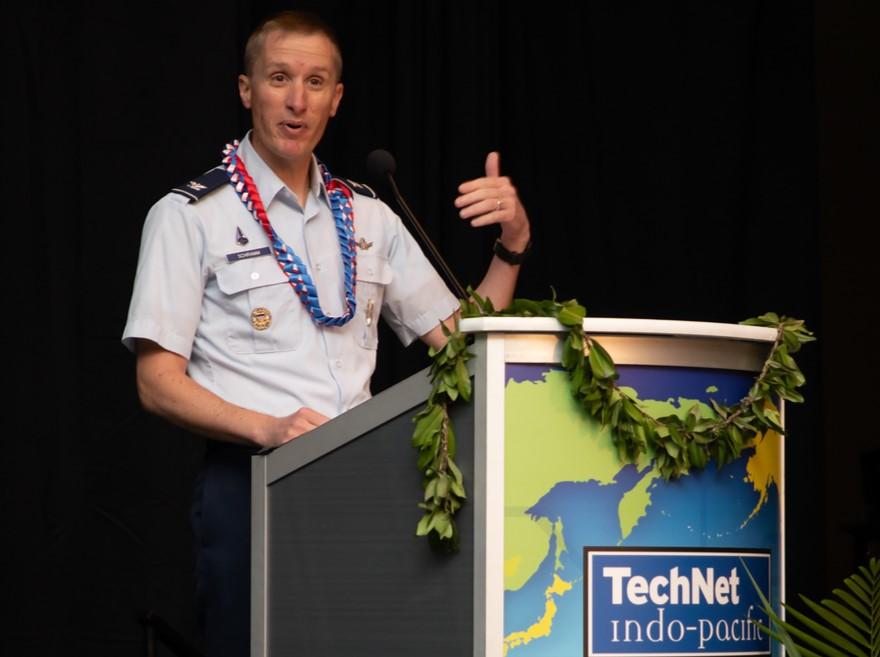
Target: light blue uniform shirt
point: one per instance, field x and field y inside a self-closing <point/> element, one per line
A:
<point x="190" y="299"/>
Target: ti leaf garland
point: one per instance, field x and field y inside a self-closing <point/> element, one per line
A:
<point x="675" y="444"/>
<point x="435" y="440"/>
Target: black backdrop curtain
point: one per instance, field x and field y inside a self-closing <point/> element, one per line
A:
<point x="667" y="154"/>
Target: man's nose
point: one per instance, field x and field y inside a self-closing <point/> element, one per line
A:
<point x="296" y="96"/>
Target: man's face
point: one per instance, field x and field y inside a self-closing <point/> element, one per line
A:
<point x="292" y="92"/>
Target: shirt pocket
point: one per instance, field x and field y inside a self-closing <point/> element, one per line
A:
<point x="373" y="274"/>
<point x="263" y="312"/>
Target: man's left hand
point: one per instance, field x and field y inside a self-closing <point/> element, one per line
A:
<point x="493" y="200"/>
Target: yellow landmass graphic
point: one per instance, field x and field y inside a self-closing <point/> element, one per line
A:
<point x="634" y="504"/>
<point x="544" y="625"/>
<point x="764" y="468"/>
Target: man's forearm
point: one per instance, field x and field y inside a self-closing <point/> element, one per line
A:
<point x="498" y="285"/>
<point x="166" y="390"/>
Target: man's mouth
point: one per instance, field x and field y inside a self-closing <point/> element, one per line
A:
<point x="293" y="127"/>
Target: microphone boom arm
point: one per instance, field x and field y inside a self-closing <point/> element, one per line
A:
<point x="451" y="279"/>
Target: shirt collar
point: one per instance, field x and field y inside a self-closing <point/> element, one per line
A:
<point x="269" y="184"/>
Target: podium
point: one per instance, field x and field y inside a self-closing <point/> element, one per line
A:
<point x="564" y="550"/>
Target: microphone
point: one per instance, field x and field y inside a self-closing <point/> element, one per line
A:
<point x="381" y="164"/>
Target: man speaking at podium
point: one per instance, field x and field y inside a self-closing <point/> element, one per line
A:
<point x="259" y="286"/>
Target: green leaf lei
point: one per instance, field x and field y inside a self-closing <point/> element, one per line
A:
<point x="676" y="444"/>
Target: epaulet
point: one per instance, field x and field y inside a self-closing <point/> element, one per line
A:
<point x="358" y="188"/>
<point x="204" y="184"/>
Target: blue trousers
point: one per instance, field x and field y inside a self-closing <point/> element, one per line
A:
<point x="221" y="517"/>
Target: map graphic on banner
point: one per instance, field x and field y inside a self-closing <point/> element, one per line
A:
<point x="572" y="492"/>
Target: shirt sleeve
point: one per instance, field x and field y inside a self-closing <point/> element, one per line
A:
<point x="166" y="302"/>
<point x="416" y="299"/>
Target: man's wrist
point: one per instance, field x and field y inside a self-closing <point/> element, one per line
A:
<point x="512" y="256"/>
<point x="261" y="429"/>
<point x="516" y="243"/>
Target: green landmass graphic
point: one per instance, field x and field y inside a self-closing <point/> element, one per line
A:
<point x="550" y="439"/>
<point x="634" y="504"/>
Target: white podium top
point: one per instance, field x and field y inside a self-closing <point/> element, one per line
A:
<point x="660" y="342"/>
<point x="621" y="326"/>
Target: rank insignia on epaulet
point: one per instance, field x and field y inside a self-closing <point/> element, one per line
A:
<point x="204" y="184"/>
<point x="358" y="188"/>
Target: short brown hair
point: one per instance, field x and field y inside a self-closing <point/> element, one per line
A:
<point x="297" y="22"/>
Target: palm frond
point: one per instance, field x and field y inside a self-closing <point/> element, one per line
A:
<point x="846" y="626"/>
<point x="837" y="622"/>
<point x="845" y="612"/>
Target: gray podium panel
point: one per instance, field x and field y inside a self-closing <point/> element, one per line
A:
<point x="348" y="575"/>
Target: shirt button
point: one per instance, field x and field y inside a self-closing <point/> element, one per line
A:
<point x="255" y="275"/>
<point x="318" y="266"/>
<point x="338" y="364"/>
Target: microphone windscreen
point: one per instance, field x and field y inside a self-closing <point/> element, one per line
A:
<point x="380" y="163"/>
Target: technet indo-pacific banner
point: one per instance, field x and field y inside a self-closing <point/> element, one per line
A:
<point x="665" y="601"/>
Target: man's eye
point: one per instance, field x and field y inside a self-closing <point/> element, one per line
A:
<point x="316" y="82"/>
<point x="278" y="77"/>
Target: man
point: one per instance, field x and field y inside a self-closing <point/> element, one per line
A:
<point x="259" y="287"/>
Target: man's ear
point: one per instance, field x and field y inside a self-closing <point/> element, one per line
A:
<point x="244" y="90"/>
<point x="337" y="96"/>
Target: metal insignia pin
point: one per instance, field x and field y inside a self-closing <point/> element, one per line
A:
<point x="364" y="244"/>
<point x="240" y="237"/>
<point x="261" y="318"/>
